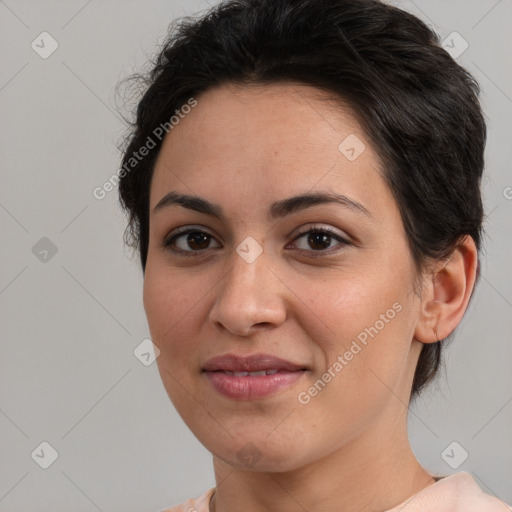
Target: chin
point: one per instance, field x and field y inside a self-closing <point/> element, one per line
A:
<point x="257" y="452"/>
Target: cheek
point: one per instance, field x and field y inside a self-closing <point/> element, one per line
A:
<point x="170" y="307"/>
<point x="363" y="340"/>
<point x="350" y="305"/>
<point x="167" y="299"/>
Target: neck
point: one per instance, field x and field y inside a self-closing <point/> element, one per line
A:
<point x="375" y="472"/>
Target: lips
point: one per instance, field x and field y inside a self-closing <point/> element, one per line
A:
<point x="240" y="366"/>
<point x="253" y="377"/>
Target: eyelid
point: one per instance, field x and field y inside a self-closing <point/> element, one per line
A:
<point x="319" y="227"/>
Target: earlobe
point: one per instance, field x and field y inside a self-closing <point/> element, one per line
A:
<point x="446" y="294"/>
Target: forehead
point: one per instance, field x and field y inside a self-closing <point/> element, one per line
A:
<point x="292" y="112"/>
<point x="271" y="140"/>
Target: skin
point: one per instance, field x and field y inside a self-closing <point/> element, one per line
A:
<point x="244" y="147"/>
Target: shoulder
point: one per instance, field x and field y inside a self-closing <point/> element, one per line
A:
<point x="455" y="493"/>
<point x="199" y="504"/>
<point x="471" y="497"/>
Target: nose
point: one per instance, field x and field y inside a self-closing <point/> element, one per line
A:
<point x="250" y="297"/>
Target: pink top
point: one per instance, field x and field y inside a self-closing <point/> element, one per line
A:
<point x="455" y="493"/>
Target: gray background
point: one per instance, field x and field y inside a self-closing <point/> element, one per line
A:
<point x="70" y="324"/>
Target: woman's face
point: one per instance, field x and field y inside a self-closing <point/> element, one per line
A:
<point x="263" y="279"/>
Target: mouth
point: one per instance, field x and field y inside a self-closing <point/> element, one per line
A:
<point x="251" y="377"/>
<point x="272" y="371"/>
<point x="252" y="364"/>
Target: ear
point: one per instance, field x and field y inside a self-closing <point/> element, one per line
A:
<point x="446" y="293"/>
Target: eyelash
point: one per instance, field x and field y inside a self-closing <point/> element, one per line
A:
<point x="167" y="243"/>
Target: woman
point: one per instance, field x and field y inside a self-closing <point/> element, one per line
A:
<point x="303" y="186"/>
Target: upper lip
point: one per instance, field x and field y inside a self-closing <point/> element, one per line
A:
<point x="252" y="363"/>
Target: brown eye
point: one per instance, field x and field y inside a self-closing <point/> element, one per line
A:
<point x="189" y="240"/>
<point x="198" y="240"/>
<point x="320" y="240"/>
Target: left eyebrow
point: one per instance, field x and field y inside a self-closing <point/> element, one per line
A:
<point x="277" y="210"/>
<point x="301" y="202"/>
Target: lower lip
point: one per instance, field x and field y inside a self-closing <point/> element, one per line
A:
<point x="249" y="388"/>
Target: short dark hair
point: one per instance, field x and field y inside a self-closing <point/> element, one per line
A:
<point x="418" y="107"/>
